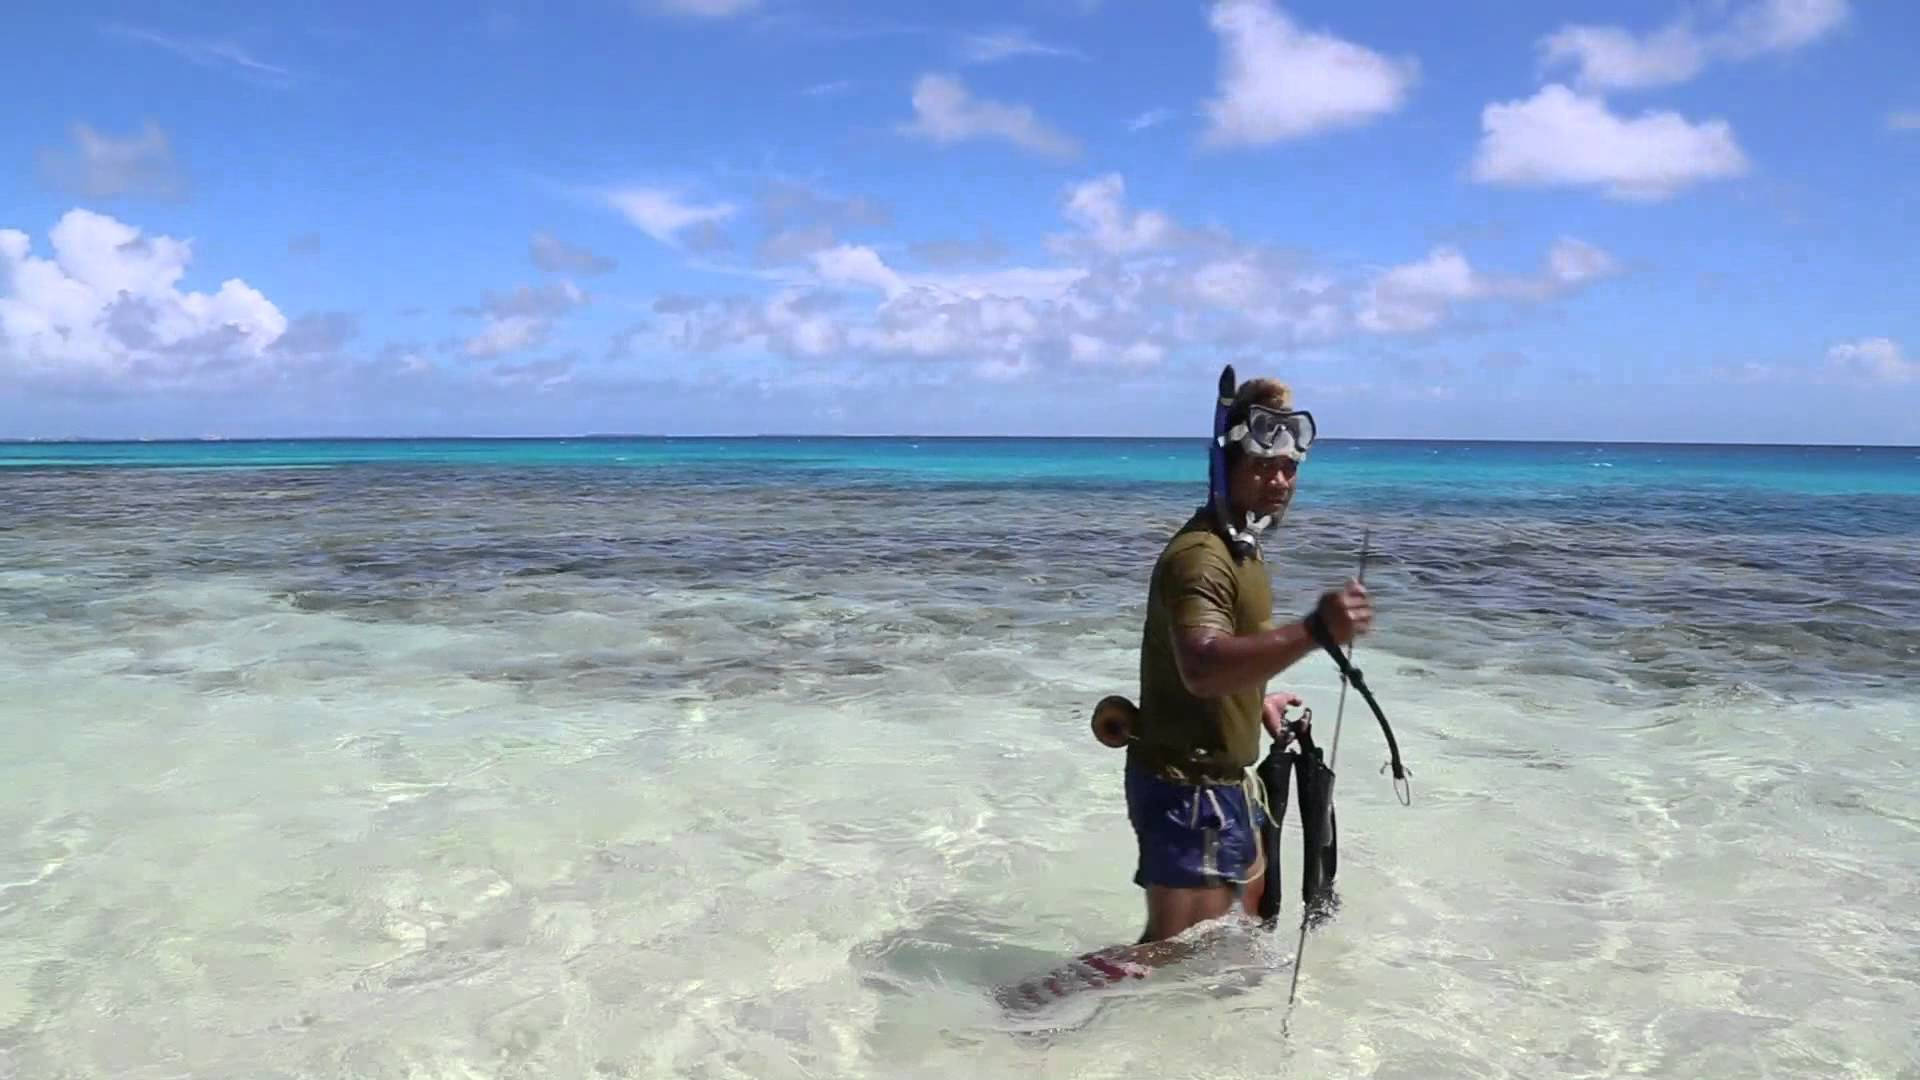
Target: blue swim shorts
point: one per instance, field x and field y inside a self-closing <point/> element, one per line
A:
<point x="1192" y="835"/>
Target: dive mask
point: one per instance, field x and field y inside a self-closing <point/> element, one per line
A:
<point x="1273" y="433"/>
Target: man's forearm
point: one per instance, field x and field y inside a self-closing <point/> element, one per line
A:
<point x="1223" y="664"/>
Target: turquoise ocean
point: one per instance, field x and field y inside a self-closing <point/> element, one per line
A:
<point x="769" y="757"/>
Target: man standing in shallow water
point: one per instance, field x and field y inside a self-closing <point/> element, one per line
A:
<point x="1208" y="647"/>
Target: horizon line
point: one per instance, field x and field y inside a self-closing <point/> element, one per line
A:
<point x="613" y="436"/>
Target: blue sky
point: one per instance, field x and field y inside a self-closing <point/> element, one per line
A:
<point x="1683" y="219"/>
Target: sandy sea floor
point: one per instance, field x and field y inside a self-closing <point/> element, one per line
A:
<point x="431" y="775"/>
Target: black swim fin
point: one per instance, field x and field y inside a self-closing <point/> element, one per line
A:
<point x="1274" y="775"/>
<point x="1320" y="850"/>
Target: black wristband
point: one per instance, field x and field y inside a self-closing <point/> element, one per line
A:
<point x="1317" y="630"/>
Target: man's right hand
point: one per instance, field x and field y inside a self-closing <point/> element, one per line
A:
<point x="1346" y="611"/>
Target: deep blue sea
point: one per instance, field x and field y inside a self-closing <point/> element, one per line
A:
<point x="769" y="757"/>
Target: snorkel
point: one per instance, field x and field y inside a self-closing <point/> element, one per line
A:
<point x="1242" y="540"/>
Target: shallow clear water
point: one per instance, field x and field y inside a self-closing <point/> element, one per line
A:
<point x="769" y="758"/>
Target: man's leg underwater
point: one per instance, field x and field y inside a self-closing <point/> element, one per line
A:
<point x="1200" y="853"/>
<point x="1220" y="841"/>
<point x="1172" y="910"/>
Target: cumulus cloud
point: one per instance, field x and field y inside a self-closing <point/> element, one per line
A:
<point x="552" y="254"/>
<point x="946" y="112"/>
<point x="1280" y="81"/>
<point x="1864" y="364"/>
<point x="1420" y="295"/>
<point x="1874" y="360"/>
<point x="100" y="166"/>
<point x="1098" y="208"/>
<point x="107" y="307"/>
<point x="1611" y="58"/>
<point x="520" y="319"/>
<point x="1615" y="58"/>
<point x="1561" y="137"/>
<point x="318" y="334"/>
<point x="663" y="214"/>
<point x="798" y="220"/>
<point x="1134" y="289"/>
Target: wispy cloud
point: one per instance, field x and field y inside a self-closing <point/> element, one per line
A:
<point x="1616" y="58"/>
<point x="1150" y="118"/>
<point x="1904" y="120"/>
<point x="555" y="255"/>
<point x="704" y="9"/>
<point x="216" y="53"/>
<point x="833" y="28"/>
<point x="945" y="111"/>
<point x="1007" y="43"/>
<point x="99" y="166"/>
<point x="663" y="214"/>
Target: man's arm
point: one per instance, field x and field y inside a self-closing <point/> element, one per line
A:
<point x="1215" y="663"/>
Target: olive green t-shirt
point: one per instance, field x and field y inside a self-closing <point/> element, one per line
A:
<point x="1198" y="582"/>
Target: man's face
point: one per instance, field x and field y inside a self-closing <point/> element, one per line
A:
<point x="1262" y="485"/>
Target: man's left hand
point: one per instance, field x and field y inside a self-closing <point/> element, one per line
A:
<point x="1273" y="714"/>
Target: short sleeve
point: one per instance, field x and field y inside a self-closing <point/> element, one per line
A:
<point x="1200" y="589"/>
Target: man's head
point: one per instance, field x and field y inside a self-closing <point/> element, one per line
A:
<point x="1257" y="484"/>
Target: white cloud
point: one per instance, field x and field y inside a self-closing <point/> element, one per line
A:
<point x="1559" y="137"/>
<point x="1086" y="349"/>
<point x="1610" y="58"/>
<point x="1149" y="119"/>
<point x="1905" y="120"/>
<point x="522" y="318"/>
<point x="663" y="214"/>
<point x="101" y="166"/>
<point x="1278" y="81"/>
<point x="551" y="253"/>
<point x="854" y="265"/>
<point x="1576" y="262"/>
<point x="1007" y="43"/>
<point x="1614" y="58"/>
<point x="1876" y="360"/>
<point x="1133" y="290"/>
<point x="708" y="9"/>
<point x="945" y="111"/>
<point x="1419" y="296"/>
<point x="1415" y="296"/>
<point x="1779" y="26"/>
<point x="1098" y="207"/>
<point x="108" y="306"/>
<point x="208" y="52"/>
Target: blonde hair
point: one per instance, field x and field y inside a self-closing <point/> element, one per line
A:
<point x="1268" y="392"/>
<point x="1271" y="393"/>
